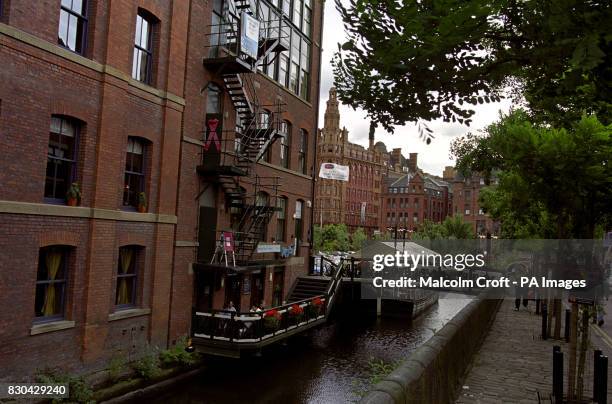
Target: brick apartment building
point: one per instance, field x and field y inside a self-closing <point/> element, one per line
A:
<point x="414" y="196"/>
<point x="115" y="97"/>
<point x="355" y="202"/>
<point x="465" y="201"/>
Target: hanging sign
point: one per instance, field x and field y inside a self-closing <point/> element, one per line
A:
<point x="249" y="35"/>
<point x="332" y="171"/>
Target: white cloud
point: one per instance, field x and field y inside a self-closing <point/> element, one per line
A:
<point x="433" y="157"/>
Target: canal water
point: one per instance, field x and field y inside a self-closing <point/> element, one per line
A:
<point x="333" y="364"/>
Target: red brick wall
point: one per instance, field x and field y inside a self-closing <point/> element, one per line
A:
<point x="36" y="84"/>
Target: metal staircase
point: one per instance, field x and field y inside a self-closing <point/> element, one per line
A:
<point x="257" y="125"/>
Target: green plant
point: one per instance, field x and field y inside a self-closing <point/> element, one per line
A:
<point x="79" y="390"/>
<point x="147" y="367"/>
<point x="142" y="199"/>
<point x="177" y="355"/>
<point x="116" y="368"/>
<point x="74" y="192"/>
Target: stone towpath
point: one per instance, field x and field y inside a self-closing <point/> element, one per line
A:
<point x="514" y="363"/>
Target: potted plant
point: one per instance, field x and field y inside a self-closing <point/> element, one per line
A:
<point x="73" y="196"/>
<point x="296" y="312"/>
<point x="142" y="202"/>
<point x="314" y="308"/>
<point x="271" y="320"/>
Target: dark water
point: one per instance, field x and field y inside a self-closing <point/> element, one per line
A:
<point x="330" y="365"/>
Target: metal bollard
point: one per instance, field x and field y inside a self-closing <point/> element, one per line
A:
<point x="596" y="356"/>
<point x="602" y="384"/>
<point x="558" y="374"/>
<point x="544" y="322"/>
<point x="567" y="324"/>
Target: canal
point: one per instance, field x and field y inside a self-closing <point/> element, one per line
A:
<point x="333" y="364"/>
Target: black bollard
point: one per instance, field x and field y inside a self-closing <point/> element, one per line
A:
<point x="602" y="384"/>
<point x="558" y="374"/>
<point x="544" y="323"/>
<point x="538" y="305"/>
<point x="567" y="324"/>
<point x="596" y="356"/>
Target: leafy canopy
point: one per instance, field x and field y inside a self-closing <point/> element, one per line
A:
<point x="428" y="59"/>
<point x="451" y="228"/>
<point x="552" y="182"/>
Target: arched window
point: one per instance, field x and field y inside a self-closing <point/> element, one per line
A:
<point x="51" y="282"/>
<point x="299" y="230"/>
<point x="303" y="152"/>
<point x="134" y="184"/>
<point x="127" y="276"/>
<point x="61" y="157"/>
<point x="285" y="144"/>
<point x="142" y="64"/>
<point x="72" y="29"/>
<point x="281" y="219"/>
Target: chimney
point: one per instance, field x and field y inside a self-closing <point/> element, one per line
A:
<point x="412" y="162"/>
<point x="371" y="134"/>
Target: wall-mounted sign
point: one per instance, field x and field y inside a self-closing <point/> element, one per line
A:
<point x="332" y="171"/>
<point x="268" y="248"/>
<point x="249" y="35"/>
<point x="228" y="241"/>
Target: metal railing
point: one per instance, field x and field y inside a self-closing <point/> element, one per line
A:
<point x="250" y="327"/>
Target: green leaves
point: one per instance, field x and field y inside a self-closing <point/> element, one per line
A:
<point x="553" y="182"/>
<point x="410" y="61"/>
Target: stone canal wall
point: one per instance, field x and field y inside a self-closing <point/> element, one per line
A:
<point x="432" y="374"/>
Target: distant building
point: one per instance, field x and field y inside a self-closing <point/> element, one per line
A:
<point x="465" y="201"/>
<point x="357" y="201"/>
<point x="412" y="197"/>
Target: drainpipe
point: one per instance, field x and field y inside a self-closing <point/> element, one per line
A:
<point x="316" y="133"/>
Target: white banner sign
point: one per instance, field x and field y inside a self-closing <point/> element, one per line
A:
<point x="268" y="248"/>
<point x="332" y="171"/>
<point x="249" y="36"/>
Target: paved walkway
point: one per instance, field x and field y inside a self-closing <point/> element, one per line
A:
<point x="514" y="363"/>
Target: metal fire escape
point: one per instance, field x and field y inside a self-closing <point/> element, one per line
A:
<point x="257" y="125"/>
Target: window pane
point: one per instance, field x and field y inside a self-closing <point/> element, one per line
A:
<point x="138" y="32"/>
<point x="135" y="68"/>
<point x="144" y="65"/>
<point x="287" y="7"/>
<point x="304" y="85"/>
<point x="144" y="36"/>
<point x="293" y="78"/>
<point x="67" y="4"/>
<point x="62" y="35"/>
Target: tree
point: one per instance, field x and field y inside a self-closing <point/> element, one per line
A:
<point x="413" y="60"/>
<point x="451" y="228"/>
<point x="552" y="182"/>
<point x="357" y="239"/>
<point x="332" y="237"/>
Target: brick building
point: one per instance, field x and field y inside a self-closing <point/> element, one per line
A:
<point x="114" y="96"/>
<point x="356" y="202"/>
<point x="412" y="197"/>
<point x="465" y="201"/>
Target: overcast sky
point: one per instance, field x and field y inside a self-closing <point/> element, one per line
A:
<point x="433" y="157"/>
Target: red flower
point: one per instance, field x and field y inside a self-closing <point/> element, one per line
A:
<point x="317" y="302"/>
<point x="272" y="313"/>
<point x="296" y="309"/>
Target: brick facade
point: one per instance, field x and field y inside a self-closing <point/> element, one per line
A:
<point x="40" y="79"/>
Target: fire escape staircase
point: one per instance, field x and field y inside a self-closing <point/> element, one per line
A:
<point x="257" y="128"/>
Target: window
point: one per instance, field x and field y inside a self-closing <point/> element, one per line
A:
<point x="72" y="29"/>
<point x="298" y="220"/>
<point x="134" y="172"/>
<point x="307" y="18"/>
<point x="264" y="123"/>
<point x="143" y="49"/>
<point x="285" y="145"/>
<point x="281" y="219"/>
<point x="303" y="152"/>
<point x="61" y="157"/>
<point x="127" y="276"/>
<point x="51" y="283"/>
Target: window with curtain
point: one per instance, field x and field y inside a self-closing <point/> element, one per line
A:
<point x="51" y="283"/>
<point x="127" y="276"/>
<point x="61" y="157"/>
<point x="142" y="65"/>
<point x="303" y="152"/>
<point x="134" y="172"/>
<point x="285" y="144"/>
<point x="281" y="219"/>
<point x="72" y="29"/>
